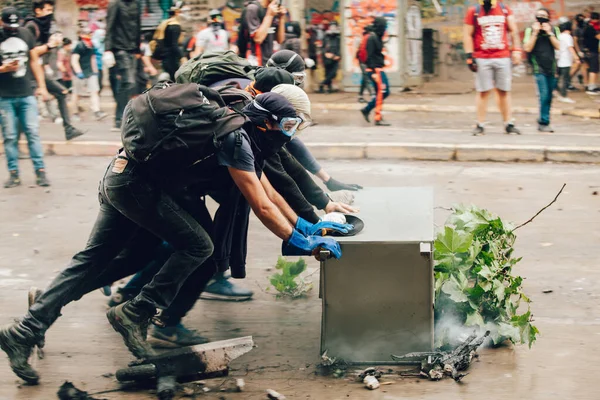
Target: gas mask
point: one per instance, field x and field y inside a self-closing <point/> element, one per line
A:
<point x="488" y="4"/>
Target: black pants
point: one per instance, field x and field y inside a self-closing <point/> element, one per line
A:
<point x="365" y="82"/>
<point x="56" y="89"/>
<point x="564" y="80"/>
<point x="331" y="69"/>
<point x="134" y="216"/>
<point x="171" y="64"/>
<point x="124" y="73"/>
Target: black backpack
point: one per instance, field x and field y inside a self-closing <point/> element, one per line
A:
<point x="173" y="126"/>
<point x="209" y="68"/>
<point x="243" y="39"/>
<point x="234" y="98"/>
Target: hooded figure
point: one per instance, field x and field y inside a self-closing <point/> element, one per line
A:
<point x="331" y="56"/>
<point x="293" y="31"/>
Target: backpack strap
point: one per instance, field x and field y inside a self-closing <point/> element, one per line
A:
<point x="238" y="145"/>
<point x="476" y="13"/>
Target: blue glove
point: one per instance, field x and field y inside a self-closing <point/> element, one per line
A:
<point x="80" y="75"/>
<point x="298" y="245"/>
<point x="308" y="229"/>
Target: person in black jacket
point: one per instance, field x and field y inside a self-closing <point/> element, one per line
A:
<point x="331" y="57"/>
<point x="375" y="64"/>
<point x="123" y="37"/>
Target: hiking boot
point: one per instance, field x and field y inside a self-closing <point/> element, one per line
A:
<point x="221" y="288"/>
<point x="365" y="114"/>
<point x="18" y="352"/>
<point x="120" y="297"/>
<point x="479" y="130"/>
<point x="512" y="130"/>
<point x="545" y="129"/>
<point x="32" y="296"/>
<point x="71" y="132"/>
<point x="13" y="180"/>
<point x="100" y="115"/>
<point x="175" y="336"/>
<point x="131" y="320"/>
<point x="382" y="123"/>
<point x="41" y="179"/>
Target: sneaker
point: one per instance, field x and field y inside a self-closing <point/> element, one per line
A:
<point x="120" y="297"/>
<point x="566" y="100"/>
<point x="13" y="180"/>
<point x="100" y="115"/>
<point x="593" y="92"/>
<point x="174" y="336"/>
<point x="479" y="130"/>
<point x="572" y="88"/>
<point x="545" y="128"/>
<point x="41" y="179"/>
<point x="71" y="132"/>
<point x="131" y="320"/>
<point x="365" y="114"/>
<point x="382" y="123"/>
<point x="18" y="352"/>
<point x="58" y="121"/>
<point x="221" y="288"/>
<point x="512" y="130"/>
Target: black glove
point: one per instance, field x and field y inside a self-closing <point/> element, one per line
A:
<point x="334" y="185"/>
<point x="471" y="62"/>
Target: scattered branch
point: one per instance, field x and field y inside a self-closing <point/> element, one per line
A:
<point x="542" y="210"/>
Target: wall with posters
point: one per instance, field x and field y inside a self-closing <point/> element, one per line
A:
<point x="357" y="15"/>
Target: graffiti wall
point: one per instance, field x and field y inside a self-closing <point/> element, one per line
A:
<point x="319" y="11"/>
<point x="357" y="15"/>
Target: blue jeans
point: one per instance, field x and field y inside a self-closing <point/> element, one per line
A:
<point x="303" y="155"/>
<point x="382" y="87"/>
<point x="15" y="112"/>
<point x="545" y="87"/>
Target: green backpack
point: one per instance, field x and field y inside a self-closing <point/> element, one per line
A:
<point x="209" y="68"/>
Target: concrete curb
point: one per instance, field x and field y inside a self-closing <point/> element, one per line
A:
<point x="383" y="151"/>
<point x="582" y="113"/>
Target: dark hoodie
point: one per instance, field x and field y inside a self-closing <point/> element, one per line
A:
<point x="123" y="26"/>
<point x="375" y="57"/>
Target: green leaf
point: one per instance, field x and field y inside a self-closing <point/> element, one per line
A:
<point x="474" y="319"/>
<point x="452" y="241"/>
<point x="298" y="267"/>
<point x="499" y="290"/>
<point x="453" y="289"/>
<point x="485" y="285"/>
<point x="486" y="273"/>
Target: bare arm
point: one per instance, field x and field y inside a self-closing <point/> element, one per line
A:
<point x="281" y="27"/>
<point x="94" y="64"/>
<point x="278" y="200"/>
<point x="38" y="72"/>
<point x="468" y="31"/>
<point x="574" y="55"/>
<point x="514" y="31"/>
<point x="531" y="36"/>
<point x="265" y="210"/>
<point x="555" y="42"/>
<point x="261" y="33"/>
<point x="75" y="63"/>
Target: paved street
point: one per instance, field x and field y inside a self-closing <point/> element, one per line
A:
<point x="41" y="229"/>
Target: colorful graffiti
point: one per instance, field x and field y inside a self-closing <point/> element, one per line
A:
<point x="359" y="14"/>
<point x="322" y="11"/>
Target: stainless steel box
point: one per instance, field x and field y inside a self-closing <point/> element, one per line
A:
<point x="378" y="298"/>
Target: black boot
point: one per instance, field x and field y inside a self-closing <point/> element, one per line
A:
<point x="131" y="319"/>
<point x="71" y="132"/>
<point x="41" y="178"/>
<point x="13" y="180"/>
<point x="381" y="122"/>
<point x="16" y="347"/>
<point x="365" y="114"/>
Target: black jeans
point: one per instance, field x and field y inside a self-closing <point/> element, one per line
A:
<point x="56" y="89"/>
<point x="134" y="216"/>
<point x="171" y="64"/>
<point x="125" y="71"/>
<point x="564" y="80"/>
<point x="365" y="82"/>
<point x="331" y="69"/>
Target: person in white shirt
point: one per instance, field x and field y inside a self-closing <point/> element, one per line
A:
<point x="567" y="59"/>
<point x="214" y="38"/>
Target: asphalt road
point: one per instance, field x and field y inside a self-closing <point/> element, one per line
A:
<point x="41" y="229"/>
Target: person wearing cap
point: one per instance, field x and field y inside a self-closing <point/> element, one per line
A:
<point x="122" y="44"/>
<point x="20" y="59"/>
<point x="85" y="68"/>
<point x="234" y="171"/>
<point x="40" y="26"/>
<point x="214" y="38"/>
<point x="294" y="64"/>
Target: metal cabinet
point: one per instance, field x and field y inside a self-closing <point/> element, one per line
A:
<point x="378" y="298"/>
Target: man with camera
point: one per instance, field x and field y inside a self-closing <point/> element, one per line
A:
<point x="541" y="42"/>
<point x="259" y="29"/>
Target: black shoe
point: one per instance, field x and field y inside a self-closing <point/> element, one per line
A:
<point x="382" y="123"/>
<point x="18" y="352"/>
<point x="175" y="336"/>
<point x="32" y="296"/>
<point x="131" y="320"/>
<point x="362" y="100"/>
<point x="511" y="130"/>
<point x="365" y="114"/>
<point x="120" y="297"/>
<point x="479" y="130"/>
<point x="41" y="179"/>
<point x="13" y="180"/>
<point x="545" y="129"/>
<point x="71" y="132"/>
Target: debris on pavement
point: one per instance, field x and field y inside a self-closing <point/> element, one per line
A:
<point x="68" y="391"/>
<point x="370" y="372"/>
<point x="273" y="395"/>
<point x="331" y="366"/>
<point x="239" y="384"/>
<point x="371" y="382"/>
<point x="437" y="364"/>
<point x="547" y="291"/>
